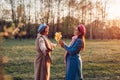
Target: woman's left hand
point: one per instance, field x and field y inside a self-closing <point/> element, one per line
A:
<point x="61" y="43"/>
<point x="54" y="45"/>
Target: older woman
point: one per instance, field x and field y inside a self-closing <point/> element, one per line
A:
<point x="72" y="57"/>
<point x="43" y="60"/>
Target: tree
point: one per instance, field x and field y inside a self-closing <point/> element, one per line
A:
<point x="58" y="14"/>
<point x="20" y="11"/>
<point x="13" y="11"/>
<point x="29" y="9"/>
<point x="90" y="8"/>
<point x="81" y="7"/>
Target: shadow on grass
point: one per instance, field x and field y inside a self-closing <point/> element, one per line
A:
<point x="3" y="75"/>
<point x="19" y="68"/>
<point x="17" y="78"/>
<point x="57" y="78"/>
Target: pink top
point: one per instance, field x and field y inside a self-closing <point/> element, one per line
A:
<point x="73" y="39"/>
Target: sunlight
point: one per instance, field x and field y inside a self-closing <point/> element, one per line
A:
<point x="113" y="9"/>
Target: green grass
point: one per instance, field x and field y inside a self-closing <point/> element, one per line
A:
<point x="101" y="60"/>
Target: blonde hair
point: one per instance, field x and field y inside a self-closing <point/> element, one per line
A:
<point x="83" y="43"/>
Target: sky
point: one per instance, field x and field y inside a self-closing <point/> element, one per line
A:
<point x="113" y="9"/>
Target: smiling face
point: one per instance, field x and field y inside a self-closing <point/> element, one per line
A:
<point x="76" y="32"/>
<point x="46" y="31"/>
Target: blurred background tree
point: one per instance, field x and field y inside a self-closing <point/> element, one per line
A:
<point x="61" y="15"/>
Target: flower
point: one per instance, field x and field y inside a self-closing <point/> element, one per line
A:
<point x="58" y="36"/>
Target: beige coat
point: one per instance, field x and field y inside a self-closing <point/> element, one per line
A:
<point x="42" y="60"/>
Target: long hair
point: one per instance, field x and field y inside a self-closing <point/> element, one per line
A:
<point x="82" y="35"/>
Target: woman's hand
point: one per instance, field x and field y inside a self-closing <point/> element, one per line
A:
<point x="54" y="45"/>
<point x="61" y="43"/>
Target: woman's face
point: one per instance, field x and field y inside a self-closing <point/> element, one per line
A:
<point x="46" y="30"/>
<point x="76" y="32"/>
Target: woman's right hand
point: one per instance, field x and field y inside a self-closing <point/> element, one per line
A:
<point x="61" y="43"/>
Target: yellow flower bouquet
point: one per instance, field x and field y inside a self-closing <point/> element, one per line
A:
<point x="58" y="36"/>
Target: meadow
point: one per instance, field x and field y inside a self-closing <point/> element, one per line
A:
<point x="101" y="59"/>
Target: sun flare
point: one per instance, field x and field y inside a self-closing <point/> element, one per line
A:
<point x="113" y="11"/>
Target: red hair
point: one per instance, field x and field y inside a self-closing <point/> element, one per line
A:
<point x="82" y="30"/>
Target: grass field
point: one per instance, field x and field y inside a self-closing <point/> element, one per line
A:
<point x="101" y="60"/>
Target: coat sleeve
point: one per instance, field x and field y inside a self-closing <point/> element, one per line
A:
<point x="42" y="46"/>
<point x="75" y="48"/>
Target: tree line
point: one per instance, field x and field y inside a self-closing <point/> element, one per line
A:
<point x="61" y="15"/>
